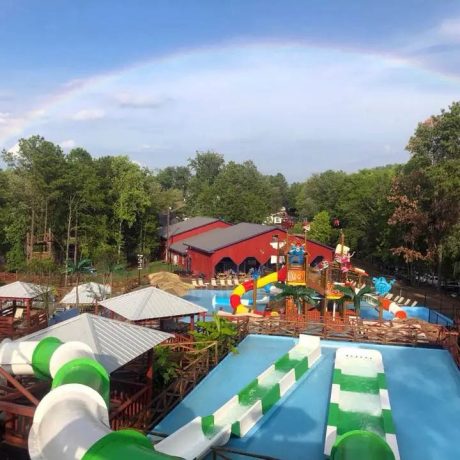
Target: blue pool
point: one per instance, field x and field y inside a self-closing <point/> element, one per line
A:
<point x="424" y="388"/>
<point x="203" y="297"/>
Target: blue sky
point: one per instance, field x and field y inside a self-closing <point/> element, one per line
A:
<point x="296" y="86"/>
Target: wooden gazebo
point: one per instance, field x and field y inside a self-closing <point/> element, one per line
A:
<point x="20" y="310"/>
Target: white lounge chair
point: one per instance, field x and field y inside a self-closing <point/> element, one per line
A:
<point x="236" y="281"/>
<point x="194" y="283"/>
<point x="401" y="300"/>
<point x="414" y="303"/>
<point x="230" y="282"/>
<point x="202" y="284"/>
<point x="396" y="298"/>
<point x="407" y="302"/>
<point x="389" y="296"/>
<point x="18" y="314"/>
<point x="213" y="282"/>
<point x="223" y="283"/>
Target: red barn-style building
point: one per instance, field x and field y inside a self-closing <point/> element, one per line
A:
<point x="186" y="229"/>
<point x="239" y="248"/>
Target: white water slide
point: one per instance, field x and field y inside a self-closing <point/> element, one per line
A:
<point x="238" y="415"/>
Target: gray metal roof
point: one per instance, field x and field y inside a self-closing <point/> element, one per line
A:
<point x="88" y="293"/>
<point x="221" y="237"/>
<point x="22" y="290"/>
<point x="180" y="247"/>
<point x="113" y="342"/>
<point x="186" y="225"/>
<point x="150" y="303"/>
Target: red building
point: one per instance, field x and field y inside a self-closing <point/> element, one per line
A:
<point x="239" y="248"/>
<point x="186" y="229"/>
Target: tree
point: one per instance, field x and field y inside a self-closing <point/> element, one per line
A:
<point x="206" y="167"/>
<point x="355" y="295"/>
<point x="175" y="177"/>
<point x="320" y="228"/>
<point x="427" y="192"/>
<point x="321" y="192"/>
<point x="239" y="194"/>
<point x="130" y="198"/>
<point x="300" y="295"/>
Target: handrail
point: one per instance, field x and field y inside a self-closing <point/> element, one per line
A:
<point x="218" y="452"/>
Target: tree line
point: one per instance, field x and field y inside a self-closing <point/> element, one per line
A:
<point x="111" y="207"/>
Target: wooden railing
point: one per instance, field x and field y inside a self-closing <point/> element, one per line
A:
<point x="132" y="413"/>
<point x="384" y="332"/>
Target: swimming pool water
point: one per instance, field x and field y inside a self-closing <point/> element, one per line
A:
<point x="423" y="384"/>
<point x="203" y="297"/>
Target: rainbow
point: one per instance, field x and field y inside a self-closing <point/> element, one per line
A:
<point x="74" y="88"/>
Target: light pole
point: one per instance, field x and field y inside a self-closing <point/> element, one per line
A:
<point x="167" y="234"/>
<point x="140" y="266"/>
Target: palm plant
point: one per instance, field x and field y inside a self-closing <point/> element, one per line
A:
<point x="220" y="330"/>
<point x="83" y="266"/>
<point x="300" y="295"/>
<point x="354" y="295"/>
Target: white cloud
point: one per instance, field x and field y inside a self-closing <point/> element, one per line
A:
<point x="4" y="117"/>
<point x="450" y="29"/>
<point x="139" y="101"/>
<point x="88" y="114"/>
<point x="68" y="144"/>
<point x="14" y="149"/>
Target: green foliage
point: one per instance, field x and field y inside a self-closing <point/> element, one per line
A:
<point x="320" y="228"/>
<point x="349" y="293"/>
<point x="165" y="366"/>
<point x="239" y="194"/>
<point x="300" y="295"/>
<point x="220" y="330"/>
<point x="426" y="193"/>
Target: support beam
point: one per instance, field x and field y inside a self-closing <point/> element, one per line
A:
<point x="19" y="387"/>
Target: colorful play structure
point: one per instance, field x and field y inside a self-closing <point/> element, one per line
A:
<point x="324" y="278"/>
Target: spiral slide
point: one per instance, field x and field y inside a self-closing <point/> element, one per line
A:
<point x="238" y="415"/>
<point x="235" y="298"/>
<point x="72" y="421"/>
<point x="360" y="424"/>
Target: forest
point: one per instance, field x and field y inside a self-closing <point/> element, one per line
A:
<point x="111" y="208"/>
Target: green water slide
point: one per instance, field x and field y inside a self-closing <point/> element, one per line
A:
<point x="360" y="424"/>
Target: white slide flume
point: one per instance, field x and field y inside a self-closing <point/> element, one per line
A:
<point x="238" y="415"/>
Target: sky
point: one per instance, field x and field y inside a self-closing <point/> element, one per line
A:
<point x="297" y="86"/>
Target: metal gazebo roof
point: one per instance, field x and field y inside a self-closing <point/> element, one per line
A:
<point x="151" y="303"/>
<point x="115" y="343"/>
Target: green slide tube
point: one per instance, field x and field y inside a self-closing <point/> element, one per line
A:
<point x="361" y="445"/>
<point x="86" y="372"/>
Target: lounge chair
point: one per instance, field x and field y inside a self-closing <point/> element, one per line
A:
<point x="407" y="302"/>
<point x="236" y="281"/>
<point x="223" y="283"/>
<point x="18" y="314"/>
<point x="213" y="282"/>
<point x="230" y="282"/>
<point x="401" y="300"/>
<point x="414" y="303"/>
<point x="202" y="284"/>
<point x="396" y="298"/>
<point x="389" y="296"/>
<point x="194" y="283"/>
